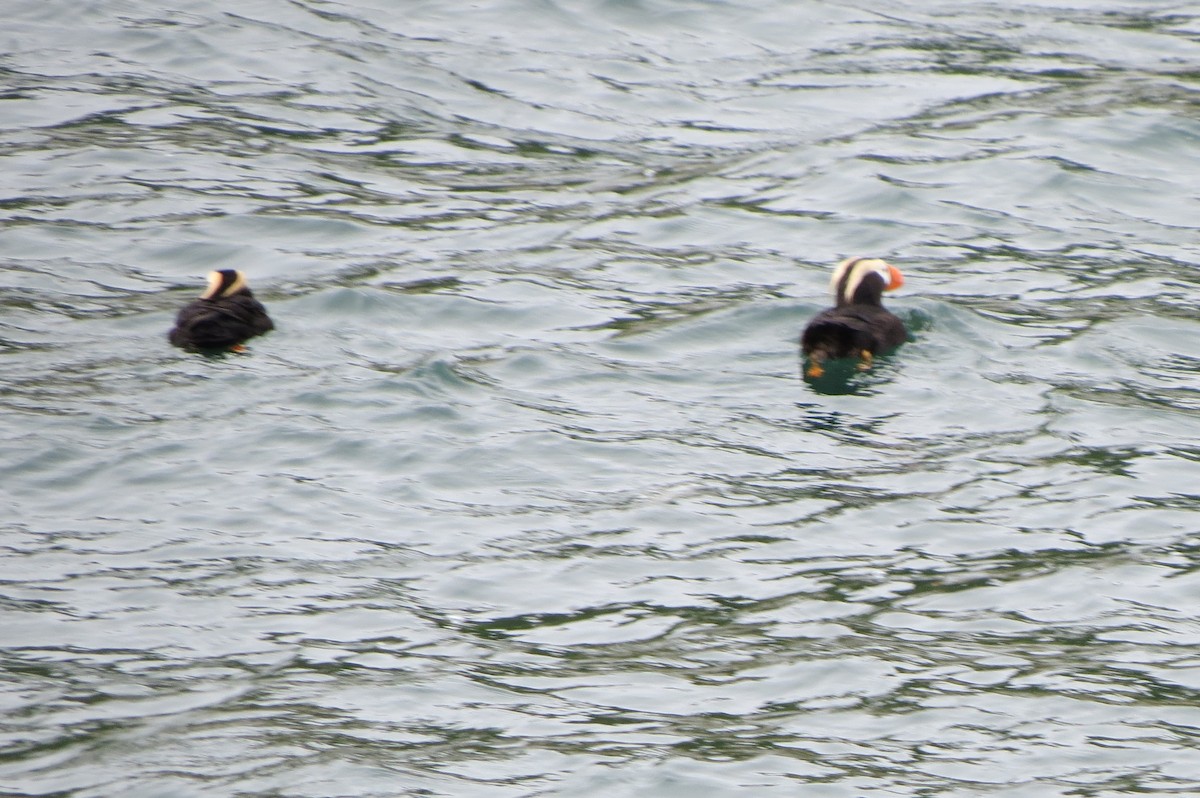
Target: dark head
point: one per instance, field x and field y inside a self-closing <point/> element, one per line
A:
<point x="862" y="281"/>
<point x="225" y="283"/>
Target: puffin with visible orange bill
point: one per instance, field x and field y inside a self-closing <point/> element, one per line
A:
<point x="858" y="326"/>
<point x="224" y="316"/>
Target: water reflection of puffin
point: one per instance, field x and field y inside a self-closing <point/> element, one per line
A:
<point x="224" y="316"/>
<point x="858" y="326"/>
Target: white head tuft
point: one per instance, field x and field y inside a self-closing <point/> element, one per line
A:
<point x="223" y="283"/>
<point x="849" y="274"/>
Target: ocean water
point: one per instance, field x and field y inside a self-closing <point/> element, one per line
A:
<point x="525" y="495"/>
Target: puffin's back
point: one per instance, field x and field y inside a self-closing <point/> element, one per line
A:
<point x="225" y="316"/>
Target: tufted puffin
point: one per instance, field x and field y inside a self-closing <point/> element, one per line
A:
<point x="223" y="317"/>
<point x="858" y="325"/>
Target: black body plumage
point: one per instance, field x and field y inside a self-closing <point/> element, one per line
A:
<point x="858" y="326"/>
<point x="226" y="315"/>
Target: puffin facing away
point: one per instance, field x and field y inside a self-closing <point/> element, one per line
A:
<point x="858" y="325"/>
<point x="223" y="317"/>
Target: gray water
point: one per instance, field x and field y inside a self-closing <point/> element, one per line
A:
<point x="525" y="495"/>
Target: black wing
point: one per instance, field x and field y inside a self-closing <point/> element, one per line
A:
<point x="208" y="324"/>
<point x="849" y="330"/>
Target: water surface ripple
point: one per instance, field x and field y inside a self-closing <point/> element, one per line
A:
<point x="525" y="495"/>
